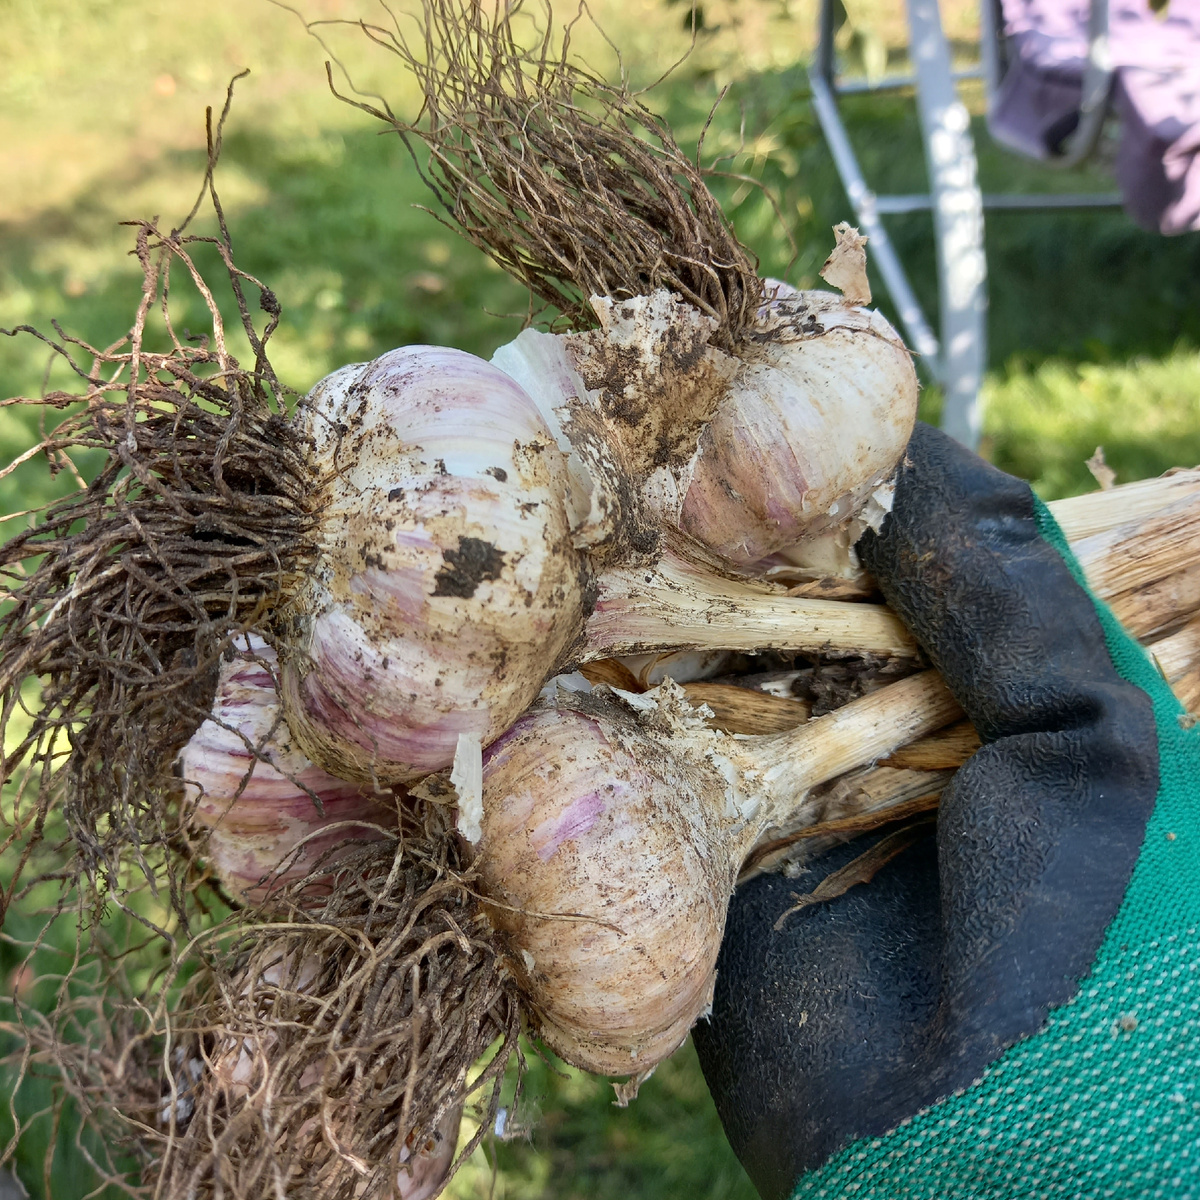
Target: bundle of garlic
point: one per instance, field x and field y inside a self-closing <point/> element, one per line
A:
<point x="423" y="542"/>
<point x="415" y="551"/>
<point x="613" y="825"/>
<point x="324" y="611"/>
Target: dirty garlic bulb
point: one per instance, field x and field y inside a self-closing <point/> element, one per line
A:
<point x="610" y="840"/>
<point x="256" y="794"/>
<point x="798" y="431"/>
<point x="448" y="583"/>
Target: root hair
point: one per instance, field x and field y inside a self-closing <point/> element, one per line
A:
<point x="573" y="185"/>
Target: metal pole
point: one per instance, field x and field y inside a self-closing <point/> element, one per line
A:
<point x="880" y="249"/>
<point x="958" y="223"/>
<point x="825" y="64"/>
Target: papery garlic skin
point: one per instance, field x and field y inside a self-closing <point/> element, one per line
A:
<point x="798" y="431"/>
<point x="601" y="488"/>
<point x="424" y="1168"/>
<point x="619" y="845"/>
<point x="448" y="584"/>
<point x="614" y="827"/>
<point x="256" y="792"/>
<point x="812" y="427"/>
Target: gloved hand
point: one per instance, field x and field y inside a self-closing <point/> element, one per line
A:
<point x="1011" y="1007"/>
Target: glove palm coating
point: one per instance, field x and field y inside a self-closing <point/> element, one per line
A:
<point x="863" y="1010"/>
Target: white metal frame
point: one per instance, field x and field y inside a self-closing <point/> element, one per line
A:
<point x="956" y="358"/>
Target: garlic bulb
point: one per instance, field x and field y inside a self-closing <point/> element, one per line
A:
<point x="801" y="432"/>
<point x="612" y="841"/>
<point x="809" y="432"/>
<point x="448" y="583"/>
<point x="257" y="795"/>
<point x="612" y="835"/>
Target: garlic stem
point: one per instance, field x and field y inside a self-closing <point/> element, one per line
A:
<point x="1153" y="609"/>
<point x="864" y="800"/>
<point x="1138" y="553"/>
<point x="743" y="710"/>
<point x="786" y="766"/>
<point x="679" y="604"/>
<point x="1080" y="517"/>
<point x="1147" y="567"/>
<point x="922" y="768"/>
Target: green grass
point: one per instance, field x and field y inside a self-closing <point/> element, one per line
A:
<point x="1094" y="324"/>
<point x="571" y="1143"/>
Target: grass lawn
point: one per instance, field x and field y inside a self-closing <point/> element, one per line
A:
<point x="1094" y="328"/>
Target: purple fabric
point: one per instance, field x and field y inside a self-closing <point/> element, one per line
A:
<point x="1156" y="93"/>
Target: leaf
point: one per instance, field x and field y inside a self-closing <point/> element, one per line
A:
<point x="874" y="54"/>
<point x="859" y="870"/>
<point x="1102" y="473"/>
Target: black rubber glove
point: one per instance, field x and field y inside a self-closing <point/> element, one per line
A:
<point x="861" y="1011"/>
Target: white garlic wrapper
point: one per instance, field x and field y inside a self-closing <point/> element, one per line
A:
<point x="256" y="793"/>
<point x="448" y="584"/>
<point x="811" y="428"/>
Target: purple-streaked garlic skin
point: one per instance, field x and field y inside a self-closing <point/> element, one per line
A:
<point x="448" y="584"/>
<point x="581" y="823"/>
<point x="260" y="809"/>
<point x="814" y="423"/>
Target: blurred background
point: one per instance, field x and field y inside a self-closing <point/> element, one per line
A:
<point x="1094" y="327"/>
